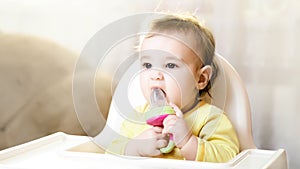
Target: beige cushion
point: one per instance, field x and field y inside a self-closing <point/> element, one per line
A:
<point x="36" y="90"/>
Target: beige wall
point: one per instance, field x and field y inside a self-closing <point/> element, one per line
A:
<point x="260" y="38"/>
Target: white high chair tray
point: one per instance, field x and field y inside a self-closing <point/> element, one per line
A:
<point x="52" y="152"/>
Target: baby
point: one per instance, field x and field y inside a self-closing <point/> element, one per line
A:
<point x="177" y="57"/>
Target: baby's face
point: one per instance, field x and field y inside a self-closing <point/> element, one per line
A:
<point x="170" y="65"/>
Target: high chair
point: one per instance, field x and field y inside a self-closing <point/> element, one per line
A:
<point x="68" y="151"/>
<point x="228" y="93"/>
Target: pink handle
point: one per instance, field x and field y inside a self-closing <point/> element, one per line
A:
<point x="157" y="120"/>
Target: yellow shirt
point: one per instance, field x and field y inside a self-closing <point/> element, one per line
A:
<point x="217" y="139"/>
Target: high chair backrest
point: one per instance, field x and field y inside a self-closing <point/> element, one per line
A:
<point x="228" y="93"/>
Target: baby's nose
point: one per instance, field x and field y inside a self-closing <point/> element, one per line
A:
<point x="156" y="75"/>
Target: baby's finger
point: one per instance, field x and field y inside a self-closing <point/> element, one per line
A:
<point x="171" y="119"/>
<point x="157" y="129"/>
<point x="156" y="153"/>
<point x="162" y="136"/>
<point x="168" y="129"/>
<point x="161" y="143"/>
<point x="177" y="110"/>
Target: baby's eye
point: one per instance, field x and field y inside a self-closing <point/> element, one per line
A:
<point x="147" y="65"/>
<point x="171" y="65"/>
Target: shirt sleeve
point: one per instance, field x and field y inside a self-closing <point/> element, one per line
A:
<point x="118" y="145"/>
<point x="128" y="131"/>
<point x="217" y="140"/>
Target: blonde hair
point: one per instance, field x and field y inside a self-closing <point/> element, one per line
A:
<point x="188" y="25"/>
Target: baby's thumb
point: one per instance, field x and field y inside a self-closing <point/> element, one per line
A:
<point x="177" y="110"/>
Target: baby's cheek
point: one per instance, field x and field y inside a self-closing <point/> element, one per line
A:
<point x="144" y="87"/>
<point x="175" y="97"/>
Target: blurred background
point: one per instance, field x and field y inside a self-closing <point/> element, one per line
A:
<point x="260" y="38"/>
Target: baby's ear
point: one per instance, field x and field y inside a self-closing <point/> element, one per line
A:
<point x="204" y="75"/>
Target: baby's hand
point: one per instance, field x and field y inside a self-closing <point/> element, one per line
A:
<point x="148" y="143"/>
<point x="176" y="125"/>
